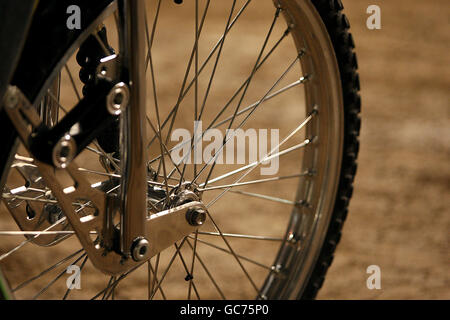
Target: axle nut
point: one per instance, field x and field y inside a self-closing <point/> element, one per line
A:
<point x="196" y="216"/>
<point x="140" y="249"/>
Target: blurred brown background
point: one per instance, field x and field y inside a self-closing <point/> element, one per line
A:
<point x="399" y="215"/>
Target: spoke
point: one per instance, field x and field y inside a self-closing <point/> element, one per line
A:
<point x="155" y="281"/>
<point x="158" y="285"/>
<point x="56" y="278"/>
<point x="255" y="182"/>
<point x="211" y="125"/>
<point x="242" y="236"/>
<point x="265" y="197"/>
<point x="247" y="85"/>
<point x="73" y="281"/>
<point x="157" y="110"/>
<point x="166" y="151"/>
<point x="189" y="275"/>
<point x="110" y="282"/>
<point x="225" y="33"/>
<point x="194" y="252"/>
<point x="72" y="82"/>
<point x="234" y="254"/>
<point x="36" y="199"/>
<point x="115" y="283"/>
<point x="256" y="163"/>
<point x="57" y="101"/>
<point x="26" y="233"/>
<point x="23" y="284"/>
<point x="5" y="255"/>
<point x="204" y="64"/>
<point x="196" y="117"/>
<point x="207" y="272"/>
<point x="173" y="113"/>
<point x="249" y="114"/>
<point x="250" y="107"/>
<point x="152" y="36"/>
<point x="213" y="73"/>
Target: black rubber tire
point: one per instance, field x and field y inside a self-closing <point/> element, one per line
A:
<point x="337" y="25"/>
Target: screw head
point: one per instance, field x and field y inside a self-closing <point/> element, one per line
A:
<point x="140" y="249"/>
<point x="64" y="151"/>
<point x="196" y="216"/>
<point x="117" y="99"/>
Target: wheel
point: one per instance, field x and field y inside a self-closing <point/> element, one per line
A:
<point x="284" y="72"/>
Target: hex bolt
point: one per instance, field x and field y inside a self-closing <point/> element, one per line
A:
<point x="64" y="151"/>
<point x="118" y="99"/>
<point x="196" y="216"/>
<point x="140" y="249"/>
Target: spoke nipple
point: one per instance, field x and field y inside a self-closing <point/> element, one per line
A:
<point x="293" y="239"/>
<point x="140" y="249"/>
<point x="277" y="269"/>
<point x="301" y="53"/>
<point x="311" y="173"/>
<point x="306" y="77"/>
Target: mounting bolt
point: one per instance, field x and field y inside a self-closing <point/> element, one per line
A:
<point x="54" y="212"/>
<point x="140" y="249"/>
<point x="64" y="151"/>
<point x="11" y="98"/>
<point x="196" y="216"/>
<point x="117" y="99"/>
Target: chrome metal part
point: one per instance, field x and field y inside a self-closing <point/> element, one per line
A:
<point x="64" y="151"/>
<point x="140" y="249"/>
<point x="133" y="162"/>
<point x="196" y="216"/>
<point x="117" y="99"/>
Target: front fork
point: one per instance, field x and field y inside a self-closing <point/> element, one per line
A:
<point x="141" y="236"/>
<point x="133" y="143"/>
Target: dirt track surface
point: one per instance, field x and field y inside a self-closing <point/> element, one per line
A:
<point x="399" y="216"/>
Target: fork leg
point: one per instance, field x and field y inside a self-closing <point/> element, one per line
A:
<point x="134" y="172"/>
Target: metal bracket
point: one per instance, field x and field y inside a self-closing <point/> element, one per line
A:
<point x="162" y="229"/>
